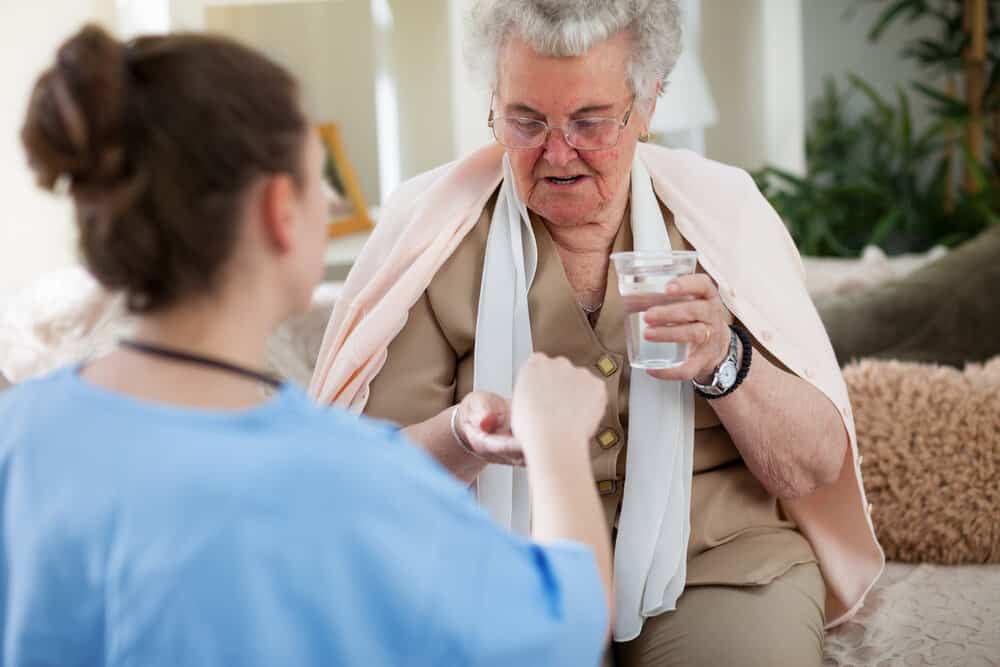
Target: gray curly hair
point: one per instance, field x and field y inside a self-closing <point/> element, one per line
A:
<point x="572" y="27"/>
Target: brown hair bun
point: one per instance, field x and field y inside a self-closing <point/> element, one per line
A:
<point x="160" y="140"/>
<point x="77" y="111"/>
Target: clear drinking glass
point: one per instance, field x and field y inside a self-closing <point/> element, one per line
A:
<point x="642" y="281"/>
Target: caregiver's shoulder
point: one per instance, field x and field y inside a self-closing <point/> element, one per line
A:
<point x="373" y="448"/>
<point x="321" y="437"/>
<point x="22" y="404"/>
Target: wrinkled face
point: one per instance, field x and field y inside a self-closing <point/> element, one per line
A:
<point x="564" y="185"/>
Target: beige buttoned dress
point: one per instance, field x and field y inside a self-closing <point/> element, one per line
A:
<point x="754" y="593"/>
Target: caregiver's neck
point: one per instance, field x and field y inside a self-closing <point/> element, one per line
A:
<point x="231" y="325"/>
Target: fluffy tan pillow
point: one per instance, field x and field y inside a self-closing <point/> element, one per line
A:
<point x="930" y="437"/>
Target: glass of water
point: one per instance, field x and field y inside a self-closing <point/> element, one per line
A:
<point x="642" y="281"/>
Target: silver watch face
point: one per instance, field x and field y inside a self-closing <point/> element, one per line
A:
<point x="727" y="375"/>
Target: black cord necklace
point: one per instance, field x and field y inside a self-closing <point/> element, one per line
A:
<point x="198" y="360"/>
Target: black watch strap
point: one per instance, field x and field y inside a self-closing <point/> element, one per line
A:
<point x="743" y="369"/>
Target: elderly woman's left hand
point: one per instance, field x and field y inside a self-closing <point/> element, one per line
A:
<point x="695" y="315"/>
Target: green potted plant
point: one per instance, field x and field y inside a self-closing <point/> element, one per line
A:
<point x="872" y="178"/>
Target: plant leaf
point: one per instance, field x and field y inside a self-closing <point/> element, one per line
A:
<point x="886" y="224"/>
<point x="891" y="13"/>
<point x="869" y="91"/>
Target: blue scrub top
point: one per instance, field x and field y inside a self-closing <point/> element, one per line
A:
<point x="288" y="534"/>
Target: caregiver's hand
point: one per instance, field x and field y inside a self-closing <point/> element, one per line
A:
<point x="696" y="316"/>
<point x="483" y="422"/>
<point x="556" y="409"/>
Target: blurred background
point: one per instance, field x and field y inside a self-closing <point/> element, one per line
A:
<point x="871" y="125"/>
<point x="867" y="122"/>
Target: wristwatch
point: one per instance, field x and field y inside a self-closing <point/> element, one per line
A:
<point x="731" y="371"/>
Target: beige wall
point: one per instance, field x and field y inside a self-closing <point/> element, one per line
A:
<point x="36" y="229"/>
<point x="752" y="54"/>
<point x="421" y="67"/>
<point x="469" y="99"/>
<point x="329" y="46"/>
<point x="766" y="60"/>
<point x="837" y="47"/>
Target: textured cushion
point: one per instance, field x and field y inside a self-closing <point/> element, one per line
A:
<point x="924" y="616"/>
<point x="294" y="347"/>
<point x="930" y="437"/>
<point x="945" y="312"/>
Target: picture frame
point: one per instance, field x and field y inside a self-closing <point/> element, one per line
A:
<point x="348" y="210"/>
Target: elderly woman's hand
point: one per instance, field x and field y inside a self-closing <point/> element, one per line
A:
<point x="696" y="316"/>
<point x="483" y="422"/>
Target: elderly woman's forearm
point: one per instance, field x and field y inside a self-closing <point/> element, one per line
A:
<point x="435" y="437"/>
<point x="791" y="437"/>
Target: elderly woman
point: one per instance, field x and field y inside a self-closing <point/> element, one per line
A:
<point x="734" y="497"/>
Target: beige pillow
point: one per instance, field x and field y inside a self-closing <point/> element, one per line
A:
<point x="828" y="276"/>
<point x="292" y="349"/>
<point x="930" y="438"/>
<point x="66" y="317"/>
<point x="946" y="312"/>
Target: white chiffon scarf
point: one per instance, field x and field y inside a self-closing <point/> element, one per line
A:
<point x="650" y="563"/>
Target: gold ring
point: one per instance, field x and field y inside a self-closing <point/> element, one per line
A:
<point x="708" y="334"/>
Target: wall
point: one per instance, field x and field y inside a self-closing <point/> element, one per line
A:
<point x="422" y="70"/>
<point x="837" y="47"/>
<point x="752" y="54"/>
<point x="470" y="99"/>
<point x="36" y="229"/>
<point x="332" y="46"/>
<point x="329" y="46"/>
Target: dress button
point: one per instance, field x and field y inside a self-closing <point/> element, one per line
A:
<point x="607" y="487"/>
<point x="606" y="365"/>
<point x="607" y="438"/>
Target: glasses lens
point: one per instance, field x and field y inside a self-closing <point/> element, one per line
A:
<point x="519" y="132"/>
<point x="594" y="133"/>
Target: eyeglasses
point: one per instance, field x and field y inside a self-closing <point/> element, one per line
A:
<point x="585" y="134"/>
